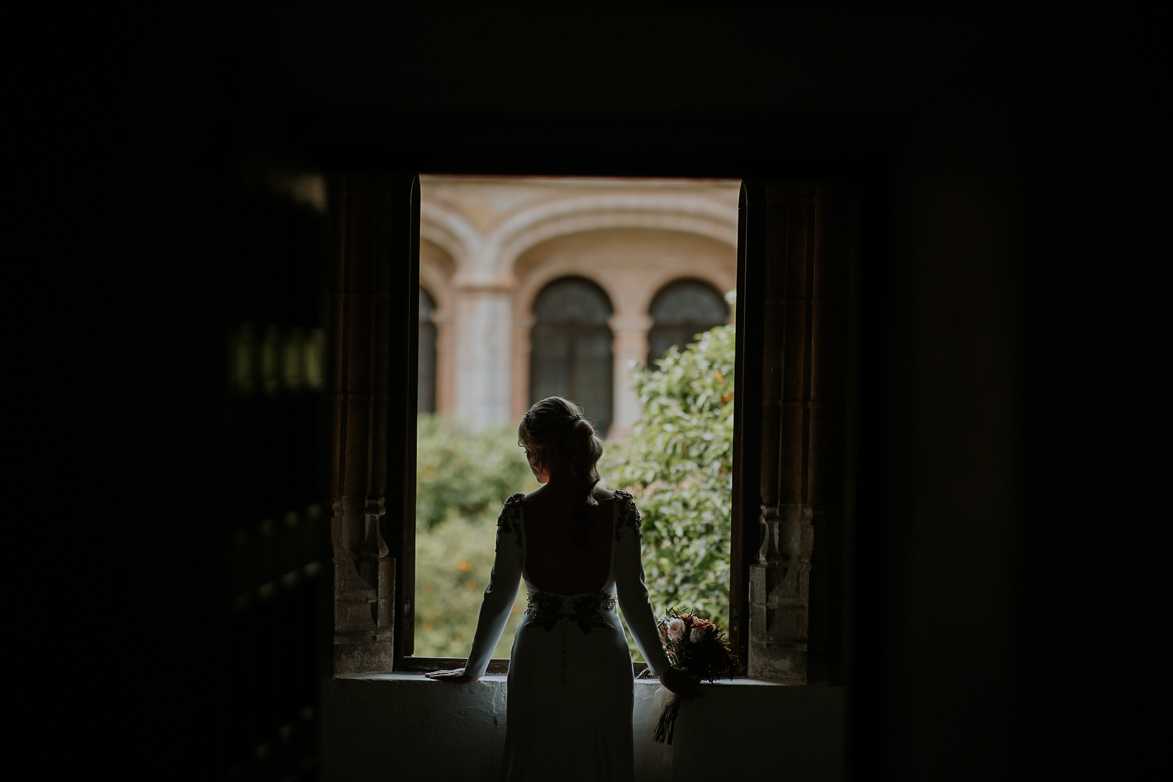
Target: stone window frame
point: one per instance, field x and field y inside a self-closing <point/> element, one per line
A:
<point x="795" y="255"/>
<point x="430" y="344"/>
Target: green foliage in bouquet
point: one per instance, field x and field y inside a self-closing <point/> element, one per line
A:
<point x="696" y="644"/>
<point x="678" y="465"/>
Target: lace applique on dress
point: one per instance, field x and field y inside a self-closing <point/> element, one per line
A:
<point x="507" y="522"/>
<point x="629" y="517"/>
<point x="547" y="609"/>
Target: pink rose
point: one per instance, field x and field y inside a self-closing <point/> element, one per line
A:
<point x="675" y="629"/>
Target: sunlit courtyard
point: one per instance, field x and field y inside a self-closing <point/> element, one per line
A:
<point x="595" y="290"/>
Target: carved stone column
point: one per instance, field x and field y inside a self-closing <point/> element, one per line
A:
<point x="522" y="347"/>
<point x="484" y="311"/>
<point x="793" y="585"/>
<point x="371" y="301"/>
<point x="445" y="360"/>
<point x="630" y="344"/>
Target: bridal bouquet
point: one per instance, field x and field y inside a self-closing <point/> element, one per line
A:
<point x="697" y="645"/>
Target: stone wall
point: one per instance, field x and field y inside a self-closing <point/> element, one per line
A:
<point x="402" y="726"/>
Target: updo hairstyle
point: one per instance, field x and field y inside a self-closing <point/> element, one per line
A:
<point x="557" y="423"/>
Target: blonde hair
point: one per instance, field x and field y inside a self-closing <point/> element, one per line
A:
<point x="557" y="423"/>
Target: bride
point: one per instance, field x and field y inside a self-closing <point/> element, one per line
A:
<point x="577" y="546"/>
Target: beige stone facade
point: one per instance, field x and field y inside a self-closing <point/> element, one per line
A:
<point x="490" y="246"/>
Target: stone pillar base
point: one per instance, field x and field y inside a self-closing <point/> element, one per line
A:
<point x="368" y="656"/>
<point x="778" y="623"/>
<point x="777" y="662"/>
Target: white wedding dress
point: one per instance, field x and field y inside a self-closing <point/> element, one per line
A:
<point x="570" y="684"/>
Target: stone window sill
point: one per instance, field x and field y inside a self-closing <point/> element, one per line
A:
<point x="410" y="676"/>
<point x="402" y="725"/>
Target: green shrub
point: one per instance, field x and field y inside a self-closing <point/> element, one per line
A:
<point x="462" y="479"/>
<point x="453" y="561"/>
<point x="466" y="474"/>
<point x="678" y="465"/>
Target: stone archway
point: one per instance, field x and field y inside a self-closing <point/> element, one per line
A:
<point x="495" y="231"/>
<point x="631" y="265"/>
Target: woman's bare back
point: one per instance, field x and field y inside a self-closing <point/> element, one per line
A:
<point x="556" y="558"/>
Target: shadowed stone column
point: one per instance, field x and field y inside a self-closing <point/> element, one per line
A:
<point x="371" y="301"/>
<point x="794" y="583"/>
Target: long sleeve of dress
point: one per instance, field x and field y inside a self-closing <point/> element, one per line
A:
<point x="632" y="591"/>
<point x="501" y="592"/>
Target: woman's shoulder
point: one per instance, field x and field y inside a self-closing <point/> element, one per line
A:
<point x="622" y="497"/>
<point x="629" y="518"/>
<point x="537" y="495"/>
<point x="505" y="519"/>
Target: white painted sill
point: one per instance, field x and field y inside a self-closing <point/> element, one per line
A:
<point x="411" y="676"/>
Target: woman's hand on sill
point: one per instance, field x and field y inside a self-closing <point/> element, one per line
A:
<point x="456" y="676"/>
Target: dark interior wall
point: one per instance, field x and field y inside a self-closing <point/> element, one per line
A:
<point x="1093" y="418"/>
<point x="1001" y="546"/>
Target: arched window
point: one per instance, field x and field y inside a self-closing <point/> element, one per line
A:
<point x="679" y="312"/>
<point x="426" y="402"/>
<point x="570" y="352"/>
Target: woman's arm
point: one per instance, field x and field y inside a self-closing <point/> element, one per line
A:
<point x="499" y="596"/>
<point x="637" y="609"/>
<point x="633" y="592"/>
